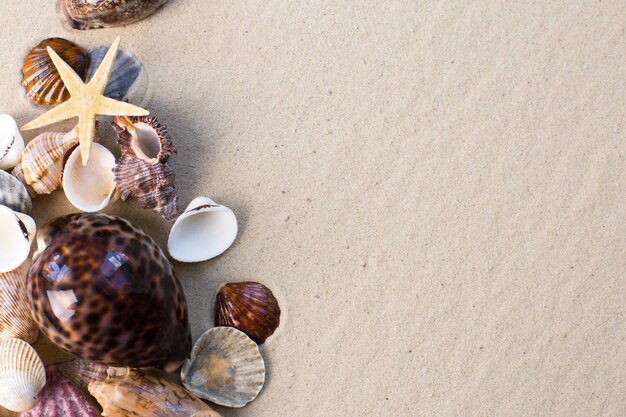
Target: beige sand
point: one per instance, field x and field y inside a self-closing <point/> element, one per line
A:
<point x="436" y="190"/>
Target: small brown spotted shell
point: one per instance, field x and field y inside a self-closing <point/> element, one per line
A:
<point x="250" y="307"/>
<point x="104" y="291"/>
<point x="41" y="79"/>
<point x="142" y="170"/>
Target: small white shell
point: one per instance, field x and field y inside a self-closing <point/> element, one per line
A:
<point x="16" y="318"/>
<point x="22" y="375"/>
<point x="226" y="367"/>
<point x="90" y="187"/>
<point x="11" y="142"/>
<point x="16" y="234"/>
<point x="204" y="231"/>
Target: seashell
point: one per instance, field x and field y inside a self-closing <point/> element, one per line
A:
<point x="16" y="319"/>
<point x="43" y="158"/>
<point x="59" y="398"/>
<point x="102" y="290"/>
<point x="95" y="14"/>
<point x="41" y="79"/>
<point x="81" y="372"/>
<point x="17" y="231"/>
<point x="142" y="170"/>
<point x="226" y="368"/>
<point x="14" y="194"/>
<point x="128" y="78"/>
<point x="90" y="187"/>
<point x="135" y="393"/>
<point x="204" y="231"/>
<point x="22" y="375"/>
<point x="250" y="307"/>
<point x="11" y="142"/>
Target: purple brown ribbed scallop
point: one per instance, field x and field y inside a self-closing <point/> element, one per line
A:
<point x="59" y="398"/>
<point x="104" y="291"/>
<point x="250" y="307"/>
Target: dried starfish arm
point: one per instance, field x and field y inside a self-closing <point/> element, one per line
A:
<point x="72" y="81"/>
<point x="86" y="134"/>
<point x="111" y="107"/>
<point x="100" y="79"/>
<point x="57" y="114"/>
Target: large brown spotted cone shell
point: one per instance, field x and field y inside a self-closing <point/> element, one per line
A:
<point x="142" y="170"/>
<point x="94" y="14"/>
<point x="250" y="307"/>
<point x="59" y="398"/>
<point x="104" y="291"/>
<point x="41" y="79"/>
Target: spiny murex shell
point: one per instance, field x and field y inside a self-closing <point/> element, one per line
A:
<point x="94" y="14"/>
<point x="124" y="392"/>
<point x="41" y="79"/>
<point x="226" y="367"/>
<point x="17" y="231"/>
<point x="128" y="78"/>
<point x="13" y="194"/>
<point x="90" y="187"/>
<point x="16" y="319"/>
<point x="250" y="307"/>
<point x="104" y="291"/>
<point x="205" y="230"/>
<point x="22" y="375"/>
<point x="41" y="168"/>
<point x="59" y="398"/>
<point x="142" y="170"/>
<point x="11" y="142"/>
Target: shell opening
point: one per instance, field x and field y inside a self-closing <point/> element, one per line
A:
<point x="146" y="143"/>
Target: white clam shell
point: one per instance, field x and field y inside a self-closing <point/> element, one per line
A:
<point x="204" y="231"/>
<point x="17" y="231"/>
<point x="22" y="375"/>
<point x="226" y="368"/>
<point x="90" y="187"/>
<point x="11" y="142"/>
<point x="16" y="318"/>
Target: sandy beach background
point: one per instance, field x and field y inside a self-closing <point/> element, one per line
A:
<point x="434" y="189"/>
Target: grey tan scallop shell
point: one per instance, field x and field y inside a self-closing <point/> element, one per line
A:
<point x="16" y="319"/>
<point x="13" y="194"/>
<point x="22" y="375"/>
<point x="128" y="78"/>
<point x="95" y="14"/>
<point x="226" y="367"/>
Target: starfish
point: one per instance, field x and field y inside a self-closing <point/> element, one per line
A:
<point x="86" y="100"/>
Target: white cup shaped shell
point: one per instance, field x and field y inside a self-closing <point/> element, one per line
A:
<point x="90" y="187"/>
<point x="226" y="368"/>
<point x="17" y="231"/>
<point x="11" y="142"/>
<point x="204" y="231"/>
<point x="22" y="375"/>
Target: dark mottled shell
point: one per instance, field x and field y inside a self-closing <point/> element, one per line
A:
<point x="151" y="180"/>
<point x="59" y="398"/>
<point x="41" y="79"/>
<point x="104" y="291"/>
<point x="250" y="307"/>
<point x="94" y="14"/>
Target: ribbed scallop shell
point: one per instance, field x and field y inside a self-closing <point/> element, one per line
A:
<point x="14" y="194"/>
<point x="250" y="307"/>
<point x="138" y="394"/>
<point x="16" y="319"/>
<point x="142" y="171"/>
<point x="226" y="367"/>
<point x="41" y="168"/>
<point x="40" y="77"/>
<point x="127" y="75"/>
<point x="95" y="14"/>
<point x="59" y="398"/>
<point x="22" y="375"/>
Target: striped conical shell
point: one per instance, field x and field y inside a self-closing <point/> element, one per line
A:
<point x="41" y="79"/>
<point x="42" y="163"/>
<point x="22" y="375"/>
<point x="16" y="319"/>
<point x="226" y="368"/>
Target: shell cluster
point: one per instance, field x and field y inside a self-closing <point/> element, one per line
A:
<point x="97" y="286"/>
